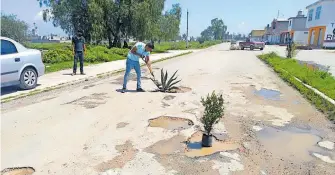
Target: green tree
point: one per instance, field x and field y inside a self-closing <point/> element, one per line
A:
<point x="114" y="19"/>
<point x="216" y="31"/>
<point x="13" y="28"/>
<point x="169" y="23"/>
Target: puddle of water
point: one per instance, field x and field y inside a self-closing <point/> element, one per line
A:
<point x="291" y="142"/>
<point x="18" y="171"/>
<point x="195" y="149"/>
<point x="171" y="123"/>
<point x="268" y="94"/>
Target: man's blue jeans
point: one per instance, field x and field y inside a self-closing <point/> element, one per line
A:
<point x="130" y="64"/>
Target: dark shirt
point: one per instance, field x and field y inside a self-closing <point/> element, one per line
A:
<point x="78" y="43"/>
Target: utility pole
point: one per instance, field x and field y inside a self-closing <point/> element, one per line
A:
<point x="187" y="31"/>
<point x="278" y="14"/>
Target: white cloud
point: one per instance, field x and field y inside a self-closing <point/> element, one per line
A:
<point x="39" y="16"/>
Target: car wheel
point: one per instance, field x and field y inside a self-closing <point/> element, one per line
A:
<point x="28" y="79"/>
<point x="242" y="48"/>
<point x="252" y="48"/>
<point x="262" y="48"/>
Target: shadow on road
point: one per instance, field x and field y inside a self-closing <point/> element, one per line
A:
<point x="11" y="89"/>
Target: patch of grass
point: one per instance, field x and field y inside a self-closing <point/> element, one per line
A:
<point x="288" y="69"/>
<point x="322" y="81"/>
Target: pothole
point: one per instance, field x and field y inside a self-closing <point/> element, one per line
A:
<point x="91" y="101"/>
<point x="169" y="97"/>
<point x="121" y="125"/>
<point x="195" y="149"/>
<point x="171" y="123"/>
<point x="299" y="144"/>
<point x="180" y="89"/>
<point x="128" y="153"/>
<point x="268" y="94"/>
<point x="18" y="171"/>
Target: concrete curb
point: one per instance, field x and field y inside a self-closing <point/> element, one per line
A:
<point x="102" y="75"/>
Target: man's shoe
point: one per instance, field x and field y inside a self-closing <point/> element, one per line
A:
<point x="73" y="74"/>
<point x="140" y="90"/>
<point x="82" y="73"/>
<point x="123" y="90"/>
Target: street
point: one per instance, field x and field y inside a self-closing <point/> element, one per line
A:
<point x="91" y="128"/>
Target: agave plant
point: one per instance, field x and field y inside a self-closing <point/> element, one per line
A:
<point x="166" y="84"/>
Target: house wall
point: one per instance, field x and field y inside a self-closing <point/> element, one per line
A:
<point x="327" y="14"/>
<point x="321" y="29"/>
<point x="299" y="24"/>
<point x="300" y="37"/>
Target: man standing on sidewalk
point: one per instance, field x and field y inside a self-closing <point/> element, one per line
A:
<point x="140" y="50"/>
<point x="78" y="49"/>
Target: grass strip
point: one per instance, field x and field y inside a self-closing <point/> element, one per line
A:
<point x="318" y="101"/>
<point x="320" y="80"/>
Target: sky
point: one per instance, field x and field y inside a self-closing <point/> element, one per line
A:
<point x="241" y="16"/>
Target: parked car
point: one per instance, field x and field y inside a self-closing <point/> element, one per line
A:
<point x="251" y="44"/>
<point x="19" y="65"/>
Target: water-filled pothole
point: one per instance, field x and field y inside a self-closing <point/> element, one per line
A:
<point x="195" y="149"/>
<point x="268" y="94"/>
<point x="18" y="171"/>
<point x="171" y="123"/>
<point x="295" y="143"/>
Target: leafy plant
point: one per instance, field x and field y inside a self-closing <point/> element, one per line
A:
<point x="214" y="110"/>
<point x="291" y="50"/>
<point x="166" y="84"/>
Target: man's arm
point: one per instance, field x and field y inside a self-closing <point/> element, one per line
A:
<point x="134" y="51"/>
<point x="72" y="46"/>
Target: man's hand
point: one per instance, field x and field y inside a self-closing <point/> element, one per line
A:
<point x="146" y="59"/>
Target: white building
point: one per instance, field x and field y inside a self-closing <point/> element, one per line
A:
<point x="297" y="29"/>
<point x="321" y="23"/>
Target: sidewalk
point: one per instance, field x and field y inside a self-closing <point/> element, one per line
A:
<point x="64" y="77"/>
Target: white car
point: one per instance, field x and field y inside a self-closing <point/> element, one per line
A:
<point x="19" y="65"/>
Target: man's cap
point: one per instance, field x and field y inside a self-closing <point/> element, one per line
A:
<point x="151" y="45"/>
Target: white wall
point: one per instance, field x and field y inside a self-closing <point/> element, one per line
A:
<point x="300" y="37"/>
<point x="327" y="14"/>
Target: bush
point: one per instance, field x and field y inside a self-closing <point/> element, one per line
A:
<point x="93" y="54"/>
<point x="56" y="56"/>
<point x="48" y="46"/>
<point x="214" y="111"/>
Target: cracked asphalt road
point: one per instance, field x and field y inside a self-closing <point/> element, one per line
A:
<point x="91" y="128"/>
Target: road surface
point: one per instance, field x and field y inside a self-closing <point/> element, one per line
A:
<point x="91" y="128"/>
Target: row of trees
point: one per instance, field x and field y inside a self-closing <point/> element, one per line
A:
<point x="114" y="19"/>
<point x="14" y="28"/>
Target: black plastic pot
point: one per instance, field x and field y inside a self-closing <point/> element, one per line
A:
<point x="207" y="140"/>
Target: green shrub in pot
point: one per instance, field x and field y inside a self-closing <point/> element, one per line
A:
<point x="214" y="111"/>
